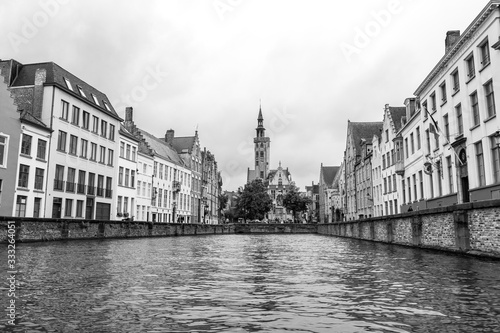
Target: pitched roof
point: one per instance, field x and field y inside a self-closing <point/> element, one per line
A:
<point x="364" y="130"/>
<point x="329" y="174"/>
<point x="28" y="117"/>
<point x="183" y="143"/>
<point x="397" y="113"/>
<point x="161" y="148"/>
<point x="56" y="76"/>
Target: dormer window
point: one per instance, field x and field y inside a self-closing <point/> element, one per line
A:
<point x="106" y="106"/>
<point x="81" y="91"/>
<point x="95" y="99"/>
<point x="68" y="84"/>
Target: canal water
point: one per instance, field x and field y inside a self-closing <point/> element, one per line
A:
<point x="250" y="283"/>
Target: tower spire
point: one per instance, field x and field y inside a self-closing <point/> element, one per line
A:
<point x="260" y="111"/>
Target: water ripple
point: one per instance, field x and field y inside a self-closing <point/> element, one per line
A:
<point x="250" y="283"/>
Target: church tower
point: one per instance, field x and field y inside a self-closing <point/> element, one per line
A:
<point x="262" y="149"/>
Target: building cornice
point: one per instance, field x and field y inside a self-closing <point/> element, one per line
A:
<point x="468" y="33"/>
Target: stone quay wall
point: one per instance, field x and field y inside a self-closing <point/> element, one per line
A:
<point x="275" y="228"/>
<point x="36" y="230"/>
<point x="472" y="228"/>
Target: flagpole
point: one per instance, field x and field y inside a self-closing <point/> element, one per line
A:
<point x="437" y="129"/>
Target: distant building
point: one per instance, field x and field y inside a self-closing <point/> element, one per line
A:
<point x="327" y="192"/>
<point x="279" y="182"/>
<point x="262" y="150"/>
<point x="357" y="161"/>
<point x="211" y="188"/>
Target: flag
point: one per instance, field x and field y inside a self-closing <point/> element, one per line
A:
<point x="433" y="126"/>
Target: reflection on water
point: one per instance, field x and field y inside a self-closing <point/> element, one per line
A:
<point x="250" y="283"/>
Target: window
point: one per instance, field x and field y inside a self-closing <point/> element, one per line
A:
<point x="106" y="106"/>
<point x="133" y="158"/>
<point x="471" y="68"/>
<point x="132" y="178"/>
<point x="91" y="184"/>
<point x="75" y="119"/>
<point x="125" y="205"/>
<point x="102" y="155"/>
<point x="81" y="91"/>
<point x="127" y="175"/>
<point x="26" y="145"/>
<point x="490" y="99"/>
<point x="39" y="173"/>
<point x="68" y="207"/>
<point x="104" y="128"/>
<point x="70" y="181"/>
<point x="404" y="190"/>
<point x="4" y="140"/>
<point x="42" y="148"/>
<point x="86" y="120"/>
<point x="68" y="84"/>
<point x="450" y="173"/>
<point x="421" y="178"/>
<point x="36" y="207"/>
<point x="122" y="149"/>
<point x="385" y="185"/>
<point x="93" y="151"/>
<point x="100" y="185"/>
<point x="409" y="188"/>
<point x="460" y="124"/>
<point x="480" y="163"/>
<point x="433" y="101"/>
<point x="59" y="176"/>
<point x="412" y="143"/>
<point x="95" y="124"/>
<point x="484" y="49"/>
<point x="96" y="101"/>
<point x="386" y="135"/>
<point x="119" y="205"/>
<point x="406" y="148"/>
<point x="127" y="156"/>
<point x="446" y="127"/>
<point x="383" y="161"/>
<point x="79" y="208"/>
<point x="81" y="182"/>
<point x="418" y="138"/>
<point x="439" y="170"/>
<point x="436" y="136"/>
<point x="160" y="172"/>
<point x="83" y="148"/>
<point x="431" y="185"/>
<point x="24" y="172"/>
<point x="444" y="98"/>
<point x="495" y="156"/>
<point x="109" y="184"/>
<point x="61" y="141"/>
<point x="73" y="145"/>
<point x="120" y="176"/>
<point x="110" y="157"/>
<point x="64" y="110"/>
<point x="112" y="132"/>
<point x="395" y="186"/>
<point x="138" y="187"/>
<point x="426" y="110"/>
<point x="475" y="108"/>
<point x="456" y="80"/>
<point x="21" y="205"/>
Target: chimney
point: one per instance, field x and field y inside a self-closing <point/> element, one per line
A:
<point x="129" y="113"/>
<point x="169" y="136"/>
<point x="452" y="38"/>
<point x="40" y="78"/>
<point x="410" y="107"/>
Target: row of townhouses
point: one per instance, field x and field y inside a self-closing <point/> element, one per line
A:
<point x="65" y="153"/>
<point x="440" y="148"/>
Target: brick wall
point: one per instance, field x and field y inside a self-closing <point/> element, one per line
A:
<point x="472" y="228"/>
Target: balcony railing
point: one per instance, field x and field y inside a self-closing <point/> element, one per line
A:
<point x="109" y="193"/>
<point x="58" y="184"/>
<point x="400" y="167"/>
<point x="90" y="190"/>
<point x="80" y="188"/>
<point x="70" y="187"/>
<point x="100" y="191"/>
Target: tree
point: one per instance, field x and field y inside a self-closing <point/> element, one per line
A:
<point x="254" y="202"/>
<point x="295" y="202"/>
<point x="223" y="199"/>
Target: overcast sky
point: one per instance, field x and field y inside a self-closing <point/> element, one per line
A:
<point x="203" y="63"/>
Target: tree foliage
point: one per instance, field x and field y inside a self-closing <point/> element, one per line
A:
<point x="223" y="199"/>
<point x="295" y="202"/>
<point x="254" y="201"/>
